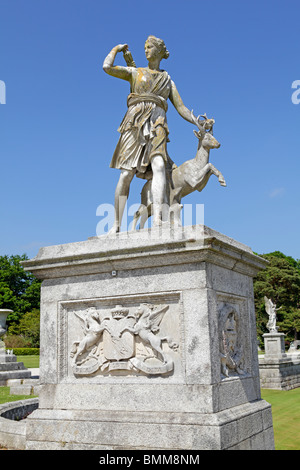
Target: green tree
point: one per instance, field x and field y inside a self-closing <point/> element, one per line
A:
<point x="28" y="329"/>
<point x="6" y="296"/>
<point x="280" y="281"/>
<point x="19" y="290"/>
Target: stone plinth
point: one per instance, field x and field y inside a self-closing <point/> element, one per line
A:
<point x="278" y="370"/>
<point x="11" y="369"/>
<point x="280" y="373"/>
<point x="274" y="345"/>
<point x="148" y="341"/>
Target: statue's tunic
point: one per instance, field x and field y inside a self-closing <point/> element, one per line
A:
<point x="144" y="129"/>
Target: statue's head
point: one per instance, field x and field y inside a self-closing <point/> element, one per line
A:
<point x="156" y="46"/>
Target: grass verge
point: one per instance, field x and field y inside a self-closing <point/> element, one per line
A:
<point x="286" y="417"/>
<point x="31" y="362"/>
<point x="5" y="397"/>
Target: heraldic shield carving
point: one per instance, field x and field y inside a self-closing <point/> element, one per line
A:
<point x="122" y="339"/>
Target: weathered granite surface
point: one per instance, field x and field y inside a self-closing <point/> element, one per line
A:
<point x="148" y="341"/>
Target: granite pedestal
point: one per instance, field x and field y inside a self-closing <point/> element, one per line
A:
<point x="10" y="368"/>
<point x="278" y="370"/>
<point x="148" y="341"/>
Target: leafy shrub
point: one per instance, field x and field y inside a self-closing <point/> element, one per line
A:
<point x="16" y="341"/>
<point x="26" y="351"/>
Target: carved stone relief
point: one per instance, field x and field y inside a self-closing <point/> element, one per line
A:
<point x="230" y="341"/>
<point x="122" y="339"/>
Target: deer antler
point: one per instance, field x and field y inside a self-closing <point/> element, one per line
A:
<point x="208" y="124"/>
<point x="196" y="120"/>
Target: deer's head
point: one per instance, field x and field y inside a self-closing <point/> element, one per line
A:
<point x="205" y="132"/>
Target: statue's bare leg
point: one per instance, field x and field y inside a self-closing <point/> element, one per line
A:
<point x="158" y="187"/>
<point x="121" y="196"/>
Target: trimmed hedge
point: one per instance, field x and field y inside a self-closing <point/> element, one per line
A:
<point x="26" y="351"/>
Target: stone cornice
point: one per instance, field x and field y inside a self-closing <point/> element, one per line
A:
<point x="144" y="249"/>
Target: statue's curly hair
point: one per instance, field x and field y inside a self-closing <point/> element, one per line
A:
<point x="159" y="43"/>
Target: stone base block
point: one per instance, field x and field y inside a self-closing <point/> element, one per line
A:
<point x="247" y="426"/>
<point x="148" y="341"/>
<point x="12" y="424"/>
<point x="8" y="358"/>
<point x="21" y="390"/>
<point x="23" y="387"/>
<point x="280" y="374"/>
<point x="274" y="345"/>
<point x="15" y="374"/>
<point x="11" y="366"/>
<point x="11" y="369"/>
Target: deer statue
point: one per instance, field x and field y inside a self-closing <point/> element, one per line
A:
<point x="190" y="176"/>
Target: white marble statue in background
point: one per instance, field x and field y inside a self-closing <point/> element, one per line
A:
<point x="271" y="311"/>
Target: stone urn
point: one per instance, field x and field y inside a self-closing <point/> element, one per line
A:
<point x="4" y="312"/>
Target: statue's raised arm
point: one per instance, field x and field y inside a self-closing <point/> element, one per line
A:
<point x="115" y="70"/>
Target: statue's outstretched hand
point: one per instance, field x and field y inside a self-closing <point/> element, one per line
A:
<point x="122" y="47"/>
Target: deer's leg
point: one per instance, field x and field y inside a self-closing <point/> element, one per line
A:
<point x="175" y="210"/>
<point x="216" y="172"/>
<point x="136" y="218"/>
<point x="204" y="177"/>
<point x="145" y="213"/>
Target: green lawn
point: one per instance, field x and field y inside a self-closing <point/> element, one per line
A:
<point x="286" y="417"/>
<point x="5" y="397"/>
<point x="31" y="362"/>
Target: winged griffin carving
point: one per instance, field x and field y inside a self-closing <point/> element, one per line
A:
<point x="123" y="340"/>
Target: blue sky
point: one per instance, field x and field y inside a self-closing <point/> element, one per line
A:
<point x="235" y="60"/>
